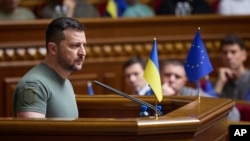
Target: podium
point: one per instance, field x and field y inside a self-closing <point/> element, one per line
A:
<point x="114" y="118"/>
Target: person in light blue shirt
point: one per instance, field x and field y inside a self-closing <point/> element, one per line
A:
<point x="138" y="9"/>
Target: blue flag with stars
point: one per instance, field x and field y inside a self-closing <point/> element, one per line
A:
<point x="197" y="63"/>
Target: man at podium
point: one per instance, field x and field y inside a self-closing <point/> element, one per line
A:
<point x="45" y="91"/>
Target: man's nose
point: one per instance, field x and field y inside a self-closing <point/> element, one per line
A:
<point x="132" y="78"/>
<point x="172" y="77"/>
<point x="82" y="51"/>
<point x="229" y="54"/>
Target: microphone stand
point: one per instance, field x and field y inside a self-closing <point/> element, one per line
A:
<point x="129" y="97"/>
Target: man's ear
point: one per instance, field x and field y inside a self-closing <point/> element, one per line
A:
<point x="52" y="48"/>
<point x="244" y="55"/>
<point x="185" y="79"/>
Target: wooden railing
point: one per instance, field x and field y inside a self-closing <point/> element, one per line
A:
<point x="161" y="27"/>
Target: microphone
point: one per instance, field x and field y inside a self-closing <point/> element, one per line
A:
<point x="129" y="97"/>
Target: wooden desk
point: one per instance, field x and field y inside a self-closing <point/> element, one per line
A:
<point x="205" y="120"/>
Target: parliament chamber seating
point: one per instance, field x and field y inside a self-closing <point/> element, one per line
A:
<point x="37" y="5"/>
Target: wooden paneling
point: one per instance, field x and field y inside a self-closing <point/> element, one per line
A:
<point x="161" y="27"/>
<point x="204" y="119"/>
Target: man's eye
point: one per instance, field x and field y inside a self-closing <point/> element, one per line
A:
<point x="233" y="52"/>
<point x="74" y="46"/>
<point x="167" y="74"/>
<point x="177" y="76"/>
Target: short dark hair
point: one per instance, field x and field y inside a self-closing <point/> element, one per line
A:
<point x="54" y="32"/>
<point x="232" y="39"/>
<point x="134" y="60"/>
<point x="173" y="61"/>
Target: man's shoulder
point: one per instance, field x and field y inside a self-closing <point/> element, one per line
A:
<point x="189" y="91"/>
<point x="248" y="71"/>
<point x="38" y="72"/>
<point x="246" y="75"/>
<point x="26" y="12"/>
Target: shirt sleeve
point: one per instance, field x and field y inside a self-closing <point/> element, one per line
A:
<point x="32" y="97"/>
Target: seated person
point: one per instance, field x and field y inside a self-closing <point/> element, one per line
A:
<point x="10" y="10"/>
<point x="133" y="71"/>
<point x="234" y="7"/>
<point x="184" y="7"/>
<point x="174" y="79"/>
<point x="69" y="8"/>
<point x="234" y="78"/>
<point x="137" y="9"/>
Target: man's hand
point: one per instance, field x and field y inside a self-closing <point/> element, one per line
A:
<point x="167" y="90"/>
<point x="70" y="4"/>
<point x="225" y="74"/>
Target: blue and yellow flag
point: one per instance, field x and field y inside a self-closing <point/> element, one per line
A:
<point x="197" y="64"/>
<point x="151" y="73"/>
<point x="115" y="8"/>
<point x="112" y="9"/>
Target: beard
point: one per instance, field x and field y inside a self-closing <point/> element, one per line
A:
<point x="69" y="65"/>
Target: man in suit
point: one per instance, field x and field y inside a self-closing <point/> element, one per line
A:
<point x="133" y="71"/>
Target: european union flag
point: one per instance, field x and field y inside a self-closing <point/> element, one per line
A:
<point x="197" y="63"/>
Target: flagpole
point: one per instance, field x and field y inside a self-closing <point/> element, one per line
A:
<point x="199" y="97"/>
<point x="152" y="75"/>
<point x="156" y="114"/>
<point x="198" y="87"/>
<point x="197" y="63"/>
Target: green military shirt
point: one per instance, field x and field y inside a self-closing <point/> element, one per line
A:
<point x="42" y="90"/>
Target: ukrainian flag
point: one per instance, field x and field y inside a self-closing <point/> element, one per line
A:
<point x="115" y="8"/>
<point x="112" y="9"/>
<point x="151" y="73"/>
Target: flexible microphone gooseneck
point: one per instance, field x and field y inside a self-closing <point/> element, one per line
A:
<point x="129" y="97"/>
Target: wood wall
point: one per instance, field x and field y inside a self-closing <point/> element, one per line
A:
<point x="110" y="43"/>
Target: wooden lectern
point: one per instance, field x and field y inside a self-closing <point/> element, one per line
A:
<point x="114" y="118"/>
